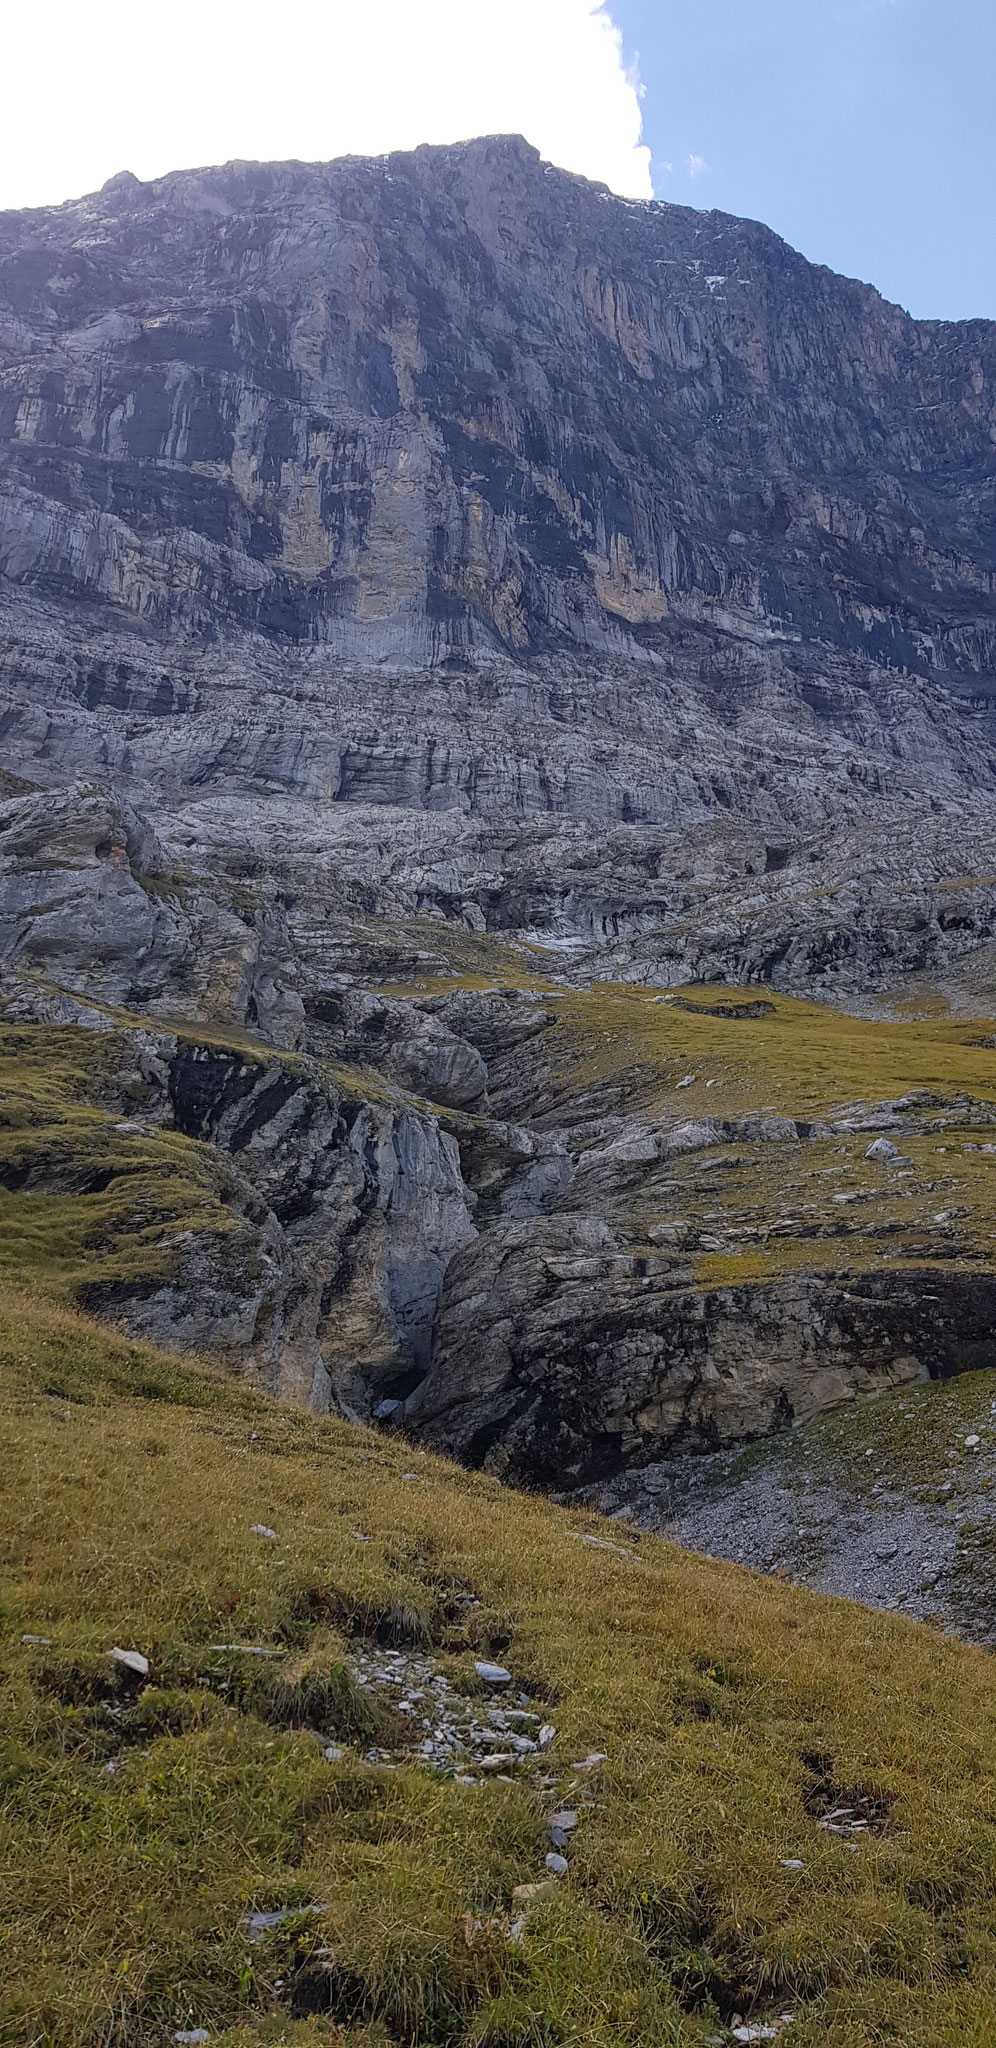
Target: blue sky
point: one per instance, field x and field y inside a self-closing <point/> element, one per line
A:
<point x="864" y="131"/>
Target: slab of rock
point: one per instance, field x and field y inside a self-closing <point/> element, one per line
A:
<point x="130" y="1660"/>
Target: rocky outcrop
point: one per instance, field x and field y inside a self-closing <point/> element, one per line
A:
<point x="369" y="1205"/>
<point x="586" y="1360"/>
<point x="890" y="1502"/>
<point x="337" y="1206"/>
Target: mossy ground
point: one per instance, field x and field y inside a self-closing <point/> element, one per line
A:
<point x="130" y="1484"/>
<point x="803" y="1058"/>
<point x="85" y="1201"/>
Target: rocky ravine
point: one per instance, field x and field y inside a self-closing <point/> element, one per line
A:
<point x="431" y="587"/>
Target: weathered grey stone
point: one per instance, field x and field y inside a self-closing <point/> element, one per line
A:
<point x="130" y="1660"/>
<point x="493" y="1674"/>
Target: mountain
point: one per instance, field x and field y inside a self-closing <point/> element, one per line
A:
<point x="497" y="943"/>
<point x="431" y="589"/>
<point x="450" y="484"/>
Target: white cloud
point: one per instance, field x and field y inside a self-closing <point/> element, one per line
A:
<point x="110" y="85"/>
<point x="696" y="165"/>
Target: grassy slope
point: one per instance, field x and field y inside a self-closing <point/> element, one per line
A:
<point x="130" y="1484"/>
<point x="83" y="1201"/>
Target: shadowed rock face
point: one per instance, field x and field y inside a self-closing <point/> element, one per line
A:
<point x="417" y="554"/>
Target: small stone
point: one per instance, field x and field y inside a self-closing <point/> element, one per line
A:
<point x="260" y="1529"/>
<point x="565" y="1821"/>
<point x="493" y="1674"/>
<point x="687" y="1082"/>
<point x="525" y="1896"/>
<point x="243" y="1650"/>
<point x="881" y="1149"/>
<point x="333" y="1753"/>
<point x="192" y="2034"/>
<point x="130" y="1660"/>
<point x="756" y="2033"/>
<point x="384" y="1409"/>
<point x="602" y="1543"/>
<point x="591" y="1762"/>
<point x="40" y="1642"/>
<point x="792" y="1863"/>
<point x="258" y="1924"/>
<point x="546" y="1735"/>
<point x="972" y="1443"/>
<point x="556" y="1864"/>
<point x="885" y="1552"/>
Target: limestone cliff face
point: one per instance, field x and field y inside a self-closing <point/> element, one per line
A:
<point x="457" y="398"/>
<point x="459" y="407"/>
<point x="516" y="532"/>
